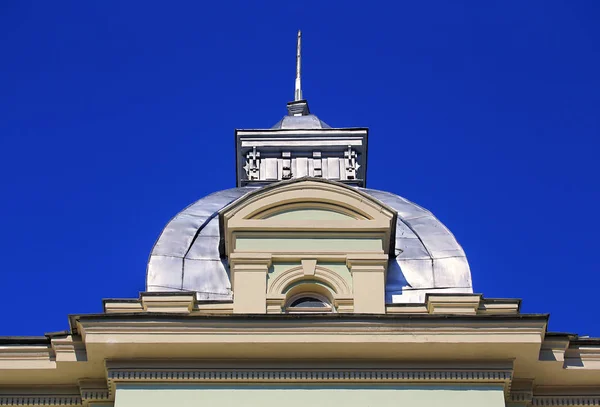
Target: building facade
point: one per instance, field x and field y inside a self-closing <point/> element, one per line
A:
<point x="302" y="287"/>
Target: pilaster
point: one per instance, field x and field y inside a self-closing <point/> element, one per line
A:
<point x="249" y="281"/>
<point x="368" y="282"/>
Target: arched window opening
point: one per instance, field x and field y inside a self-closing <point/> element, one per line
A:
<point x="308" y="302"/>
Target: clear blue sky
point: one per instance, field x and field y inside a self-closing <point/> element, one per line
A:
<point x="116" y="115"/>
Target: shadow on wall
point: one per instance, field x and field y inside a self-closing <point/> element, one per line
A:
<point x="395" y="282"/>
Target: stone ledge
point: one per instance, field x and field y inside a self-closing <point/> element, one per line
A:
<point x="466" y="304"/>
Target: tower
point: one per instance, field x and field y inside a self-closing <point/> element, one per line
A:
<point x="301" y="145"/>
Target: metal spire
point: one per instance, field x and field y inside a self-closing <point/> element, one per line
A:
<point x="298" y="90"/>
<point x="299" y="107"/>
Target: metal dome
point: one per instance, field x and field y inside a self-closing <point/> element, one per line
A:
<point x="186" y="256"/>
<point x="309" y="121"/>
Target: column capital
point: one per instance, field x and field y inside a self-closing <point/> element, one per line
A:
<point x="249" y="258"/>
<point x="356" y="260"/>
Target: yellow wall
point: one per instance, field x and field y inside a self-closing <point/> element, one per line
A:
<point x="304" y="396"/>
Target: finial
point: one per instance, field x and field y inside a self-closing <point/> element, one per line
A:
<point x="298" y="90"/>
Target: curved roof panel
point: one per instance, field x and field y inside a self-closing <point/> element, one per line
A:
<point x="186" y="256"/>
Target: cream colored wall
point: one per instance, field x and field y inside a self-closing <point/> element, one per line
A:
<point x="250" y="287"/>
<point x="303" y="396"/>
<point x="369" y="290"/>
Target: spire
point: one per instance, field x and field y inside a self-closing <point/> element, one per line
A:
<point x="299" y="107"/>
<point x="298" y="90"/>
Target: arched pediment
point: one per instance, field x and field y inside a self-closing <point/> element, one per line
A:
<point x="308" y="215"/>
<point x="341" y="237"/>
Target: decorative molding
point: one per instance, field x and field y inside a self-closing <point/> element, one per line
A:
<point x="41" y="400"/>
<point x="501" y="376"/>
<point x="248" y="263"/>
<point x="114" y="306"/>
<point x="366" y="261"/>
<point x="498" y="307"/>
<point x="241" y="215"/>
<point x="463" y="331"/>
<point x="216" y="308"/>
<point x="337" y="284"/>
<point x="181" y="303"/>
<point x="91" y="395"/>
<point x="309" y="266"/>
<point x="406" y="309"/>
<point x="310" y="190"/>
<point x="344" y="305"/>
<point x="553" y="349"/>
<point x="324" y="206"/>
<point x="275" y="305"/>
<point x="521" y="391"/>
<point x="90" y="391"/>
<point x="577" y="355"/>
<point x="566" y="401"/>
<point x="524" y="397"/>
<point x="94" y="391"/>
<point x="453" y="304"/>
<point x="69" y="349"/>
<point x="22" y="353"/>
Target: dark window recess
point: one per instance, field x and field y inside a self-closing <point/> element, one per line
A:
<point x="308" y="302"/>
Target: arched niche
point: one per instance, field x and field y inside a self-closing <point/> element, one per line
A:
<point x="309" y="280"/>
<point x="297" y="275"/>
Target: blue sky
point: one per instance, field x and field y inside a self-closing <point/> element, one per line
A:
<point x="116" y="115"/>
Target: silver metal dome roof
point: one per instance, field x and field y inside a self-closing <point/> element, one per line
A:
<point x="309" y="121"/>
<point x="186" y="256"/>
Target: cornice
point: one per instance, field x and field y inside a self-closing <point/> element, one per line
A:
<point x="521" y="391"/>
<point x="304" y="132"/>
<point x="315" y="324"/>
<point x="27" y="356"/>
<point x="88" y="391"/>
<point x="500" y="376"/>
<point x="440" y="304"/>
<point x="579" y="356"/>
<point x="407" y="333"/>
<point x="307" y="319"/>
<point x="566" y="401"/>
<point x="572" y="352"/>
<point x="99" y="392"/>
<point x="183" y="372"/>
<point x="41" y="400"/>
<point x="68" y="349"/>
<point x="93" y="391"/>
<point x="93" y="395"/>
<point x="523" y="397"/>
<point x="566" y="396"/>
<point x="25" y="352"/>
